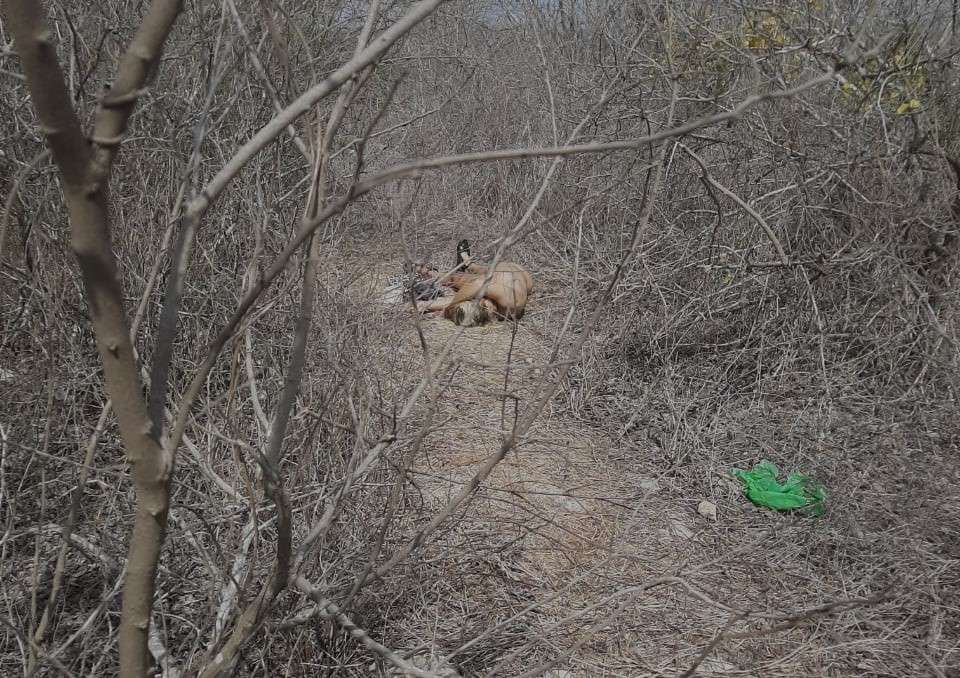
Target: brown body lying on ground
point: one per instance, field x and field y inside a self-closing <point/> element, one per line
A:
<point x="505" y="298"/>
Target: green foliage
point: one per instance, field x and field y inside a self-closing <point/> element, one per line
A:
<point x="764" y="30"/>
<point x="896" y="80"/>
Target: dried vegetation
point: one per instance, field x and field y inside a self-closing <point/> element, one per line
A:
<point x="779" y="282"/>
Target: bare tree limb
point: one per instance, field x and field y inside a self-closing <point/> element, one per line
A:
<point x="306" y="101"/>
<point x="33" y="42"/>
<point x="199" y="205"/>
<point x="761" y="222"/>
<point x="253" y="615"/>
<point x="137" y="65"/>
<point x="85" y="174"/>
<point x="12" y="195"/>
<point x="329" y="610"/>
<point x="265" y="78"/>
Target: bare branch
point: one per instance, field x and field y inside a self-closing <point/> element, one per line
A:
<point x="305" y="102"/>
<point x="199" y="205"/>
<point x="761" y="222"/>
<point x="270" y="462"/>
<point x="85" y="186"/>
<point x="12" y="195"/>
<point x="138" y="64"/>
<point x="329" y="610"/>
<point x="33" y="41"/>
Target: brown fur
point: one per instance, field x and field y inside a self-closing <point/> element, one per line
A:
<point x="505" y="296"/>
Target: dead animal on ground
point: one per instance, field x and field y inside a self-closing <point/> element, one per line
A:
<point x="504" y="298"/>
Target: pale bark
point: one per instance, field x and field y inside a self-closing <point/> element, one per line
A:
<point x="85" y="170"/>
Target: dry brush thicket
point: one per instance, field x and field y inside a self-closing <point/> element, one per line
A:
<point x="747" y="249"/>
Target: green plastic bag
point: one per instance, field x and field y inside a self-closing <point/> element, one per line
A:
<point x="798" y="492"/>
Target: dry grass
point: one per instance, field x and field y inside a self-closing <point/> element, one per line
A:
<point x="585" y="545"/>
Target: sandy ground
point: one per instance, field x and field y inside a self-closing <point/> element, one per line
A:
<point x="567" y="523"/>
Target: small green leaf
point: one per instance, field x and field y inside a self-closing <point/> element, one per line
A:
<point x="908" y="107"/>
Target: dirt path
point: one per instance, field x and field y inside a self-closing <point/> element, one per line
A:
<point x="557" y="522"/>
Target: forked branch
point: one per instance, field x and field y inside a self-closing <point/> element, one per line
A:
<point x="85" y="173"/>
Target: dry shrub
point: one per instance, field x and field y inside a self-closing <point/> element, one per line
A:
<point x="710" y="355"/>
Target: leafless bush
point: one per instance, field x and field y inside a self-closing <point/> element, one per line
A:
<point x="743" y="227"/>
